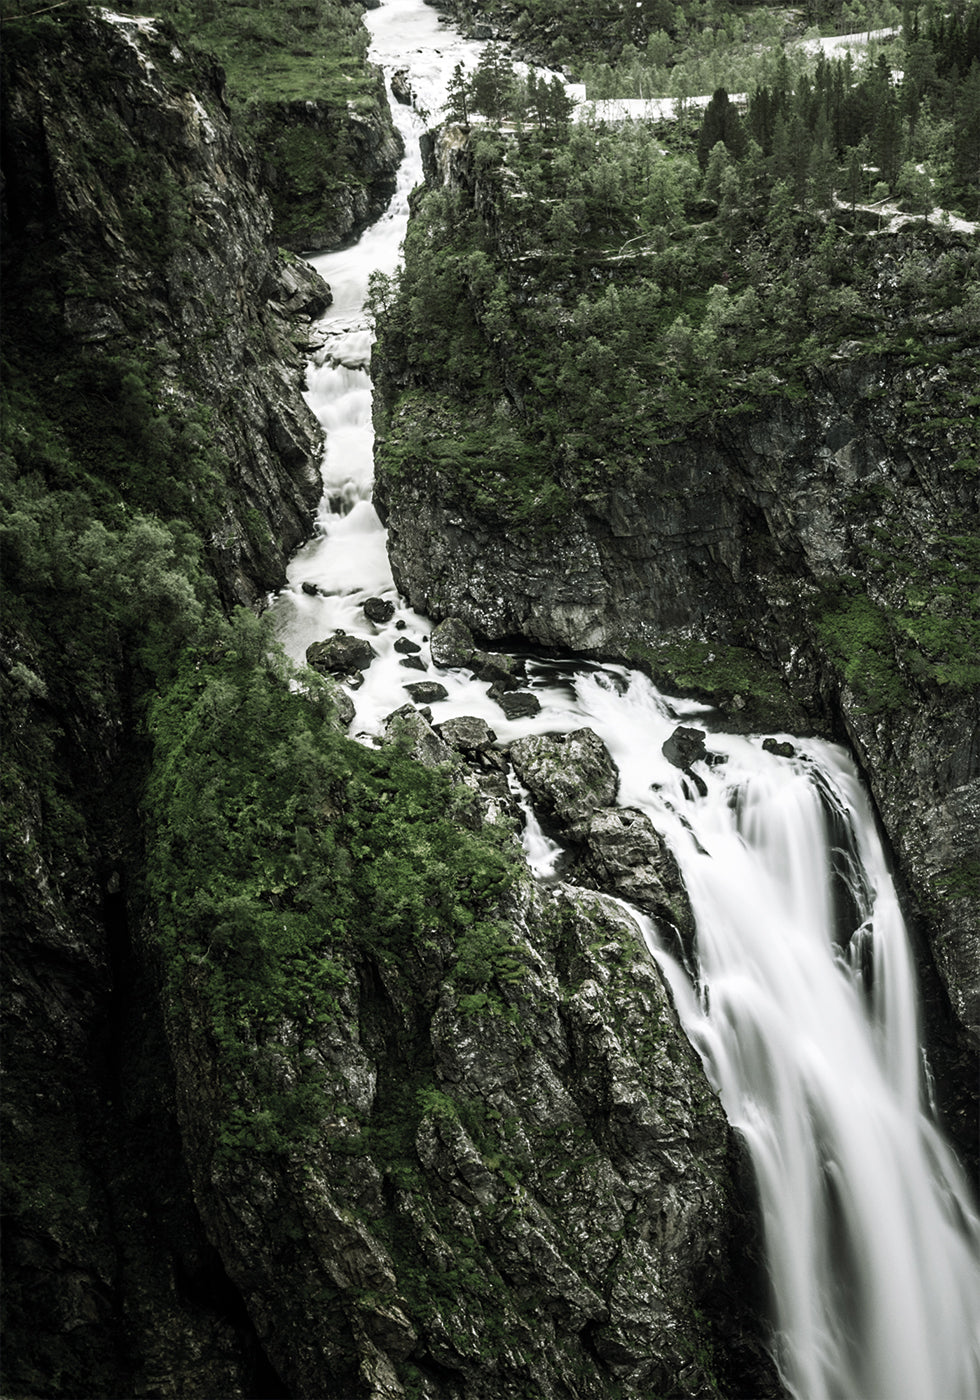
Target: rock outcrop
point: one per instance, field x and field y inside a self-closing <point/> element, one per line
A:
<point x="120" y="161"/>
<point x="524" y="1190"/>
<point x="317" y="207"/>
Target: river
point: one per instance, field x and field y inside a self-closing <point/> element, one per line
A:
<point x="803" y="1004"/>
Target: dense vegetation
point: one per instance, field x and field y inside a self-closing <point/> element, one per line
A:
<point x="583" y="33"/>
<point x="281" y="856"/>
<point x="614" y="288"/>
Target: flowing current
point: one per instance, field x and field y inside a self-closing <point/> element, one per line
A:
<point x="803" y="1003"/>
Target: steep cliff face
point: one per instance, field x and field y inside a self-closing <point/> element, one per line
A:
<point x="831" y="533"/>
<point x="452" y="1143"/>
<point x="153" y="345"/>
<point x="317" y="208"/>
<point x="137" y="243"/>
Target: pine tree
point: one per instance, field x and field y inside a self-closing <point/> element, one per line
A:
<point x="718" y="163"/>
<point x="854" y="179"/>
<point x="966" y="137"/>
<point x="721" y="123"/>
<point x="886" y="133"/>
<point x="492" y="84"/>
<point x="457" y="97"/>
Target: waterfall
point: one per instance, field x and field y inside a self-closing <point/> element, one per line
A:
<point x="805" y="1010"/>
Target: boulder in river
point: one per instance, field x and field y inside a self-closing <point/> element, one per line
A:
<point x="401" y="88"/>
<point x="684" y="747"/>
<point x="780" y="747"/>
<point x="569" y="776"/>
<point x="340" y="654"/>
<point x="379" y="610"/>
<point x="467" y="733"/>
<point x="516" y="704"/>
<point x="452" y="643"/>
<point x="427" y="692"/>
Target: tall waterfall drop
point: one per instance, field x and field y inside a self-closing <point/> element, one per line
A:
<point x="802" y="1003"/>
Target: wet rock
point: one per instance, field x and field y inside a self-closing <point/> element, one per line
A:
<point x="310" y="589"/>
<point x="409" y="728"/>
<point x="506" y="672"/>
<point x="684" y="747"/>
<point x="427" y="692"/>
<point x="406" y="647"/>
<point x="569" y="776"/>
<point x="379" y="610"/>
<point x="781" y="748"/>
<point x="340" y="654"/>
<point x="452" y="643"/>
<point x="626" y="855"/>
<point x="467" y="733"/>
<point x="413" y="663"/>
<point x="517" y="704"/>
<point x="401" y="88"/>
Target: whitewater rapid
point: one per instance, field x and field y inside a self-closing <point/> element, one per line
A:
<point x="804" y="1009"/>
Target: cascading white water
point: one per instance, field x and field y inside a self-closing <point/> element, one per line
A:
<point x="805" y="1009"/>
<point x="871" y="1238"/>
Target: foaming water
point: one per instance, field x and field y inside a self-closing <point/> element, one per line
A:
<point x="804" y="1009"/>
<point x="812" y="1042"/>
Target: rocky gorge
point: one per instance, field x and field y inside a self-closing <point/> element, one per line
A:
<point x="185" y="1214"/>
<point x="310" y="1088"/>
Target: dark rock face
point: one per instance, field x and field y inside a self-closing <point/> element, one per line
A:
<point x="336" y="216"/>
<point x="340" y="654"/>
<point x="112" y="1285"/>
<point x="203" y="279"/>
